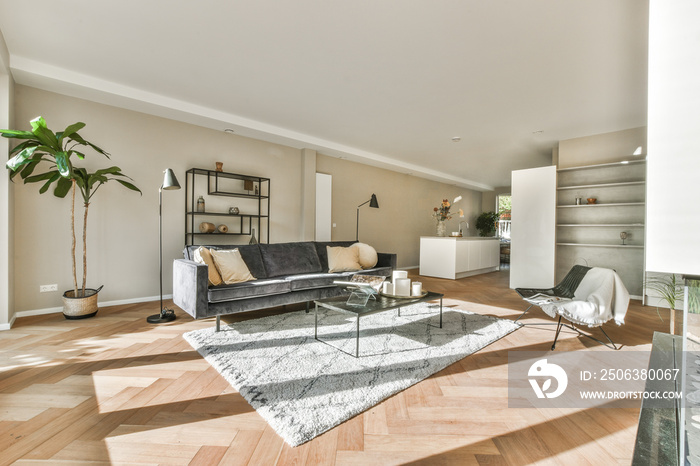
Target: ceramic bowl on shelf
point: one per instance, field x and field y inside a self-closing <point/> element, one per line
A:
<point x="591" y="200"/>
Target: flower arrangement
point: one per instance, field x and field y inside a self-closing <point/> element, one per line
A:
<point x="442" y="213"/>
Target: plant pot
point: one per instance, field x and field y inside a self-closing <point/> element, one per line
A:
<point x="80" y="307"/>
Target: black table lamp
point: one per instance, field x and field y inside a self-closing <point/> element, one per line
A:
<point x="372" y="203"/>
<point x="169" y="182"/>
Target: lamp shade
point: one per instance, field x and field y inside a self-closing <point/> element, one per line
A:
<point x="373" y="202"/>
<point x="170" y="180"/>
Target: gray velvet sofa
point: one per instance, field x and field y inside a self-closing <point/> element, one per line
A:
<point x="285" y="273"/>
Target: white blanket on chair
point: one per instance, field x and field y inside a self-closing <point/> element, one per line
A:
<point x="600" y="296"/>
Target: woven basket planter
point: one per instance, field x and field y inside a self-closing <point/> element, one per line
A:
<point x="80" y="307"/>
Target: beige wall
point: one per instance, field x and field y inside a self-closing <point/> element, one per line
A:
<point x="488" y="199"/>
<point x="6" y="195"/>
<point x="123" y="226"/>
<point x="405" y="207"/>
<point x="602" y="148"/>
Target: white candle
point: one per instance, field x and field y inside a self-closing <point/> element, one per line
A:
<point x="402" y="287"/>
<point x="388" y="288"/>
<point x="399" y="274"/>
<point x="416" y="289"/>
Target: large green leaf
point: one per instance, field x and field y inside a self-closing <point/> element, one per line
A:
<point x="38" y="122"/>
<point x="24" y="145"/>
<point x="129" y="185"/>
<point x="109" y="171"/>
<point x="44" y="134"/>
<point x="20" y="159"/>
<point x="63" y="187"/>
<point x="14" y="134"/>
<point x="68" y="132"/>
<point x="63" y="164"/>
<point x="77" y="138"/>
<point x="41" y="177"/>
<point x="44" y="188"/>
<point x="29" y="168"/>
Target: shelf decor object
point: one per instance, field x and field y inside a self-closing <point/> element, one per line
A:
<point x="253" y="193"/>
<point x="169" y="183"/>
<point x="623" y="237"/>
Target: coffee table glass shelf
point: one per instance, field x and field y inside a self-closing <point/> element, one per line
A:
<point x="381" y="303"/>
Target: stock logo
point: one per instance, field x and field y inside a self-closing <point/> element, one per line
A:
<point x="543" y="370"/>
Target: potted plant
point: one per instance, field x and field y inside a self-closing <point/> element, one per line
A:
<point x="669" y="288"/>
<point x="486" y="223"/>
<point x="40" y="147"/>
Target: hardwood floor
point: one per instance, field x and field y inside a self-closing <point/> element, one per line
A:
<point x="116" y="390"/>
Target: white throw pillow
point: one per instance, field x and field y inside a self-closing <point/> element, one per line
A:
<point x="367" y="255"/>
<point x="342" y="259"/>
<point x="202" y="255"/>
<point x="231" y="266"/>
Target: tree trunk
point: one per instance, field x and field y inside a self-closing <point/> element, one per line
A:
<point x="72" y="230"/>
<point x="87" y="204"/>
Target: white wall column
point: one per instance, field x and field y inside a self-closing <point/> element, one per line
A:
<point x="7" y="313"/>
<point x="673" y="160"/>
<point x="308" y="194"/>
<point x="533" y="227"/>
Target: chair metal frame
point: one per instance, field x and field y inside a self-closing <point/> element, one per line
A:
<point x="564" y="289"/>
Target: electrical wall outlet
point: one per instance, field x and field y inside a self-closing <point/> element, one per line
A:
<point x="47" y="288"/>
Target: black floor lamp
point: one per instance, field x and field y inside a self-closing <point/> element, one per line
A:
<point x="372" y="203"/>
<point x="169" y="182"/>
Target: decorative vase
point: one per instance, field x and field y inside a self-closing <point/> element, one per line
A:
<point x="441" y="229"/>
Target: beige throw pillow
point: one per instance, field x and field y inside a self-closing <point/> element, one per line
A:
<point x="367" y="255"/>
<point x="202" y="255"/>
<point x="231" y="266"/>
<point x="342" y="259"/>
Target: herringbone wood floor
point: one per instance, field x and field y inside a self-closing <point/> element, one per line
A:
<point x="116" y="390"/>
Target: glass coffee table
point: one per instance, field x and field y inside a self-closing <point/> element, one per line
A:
<point x="381" y="303"/>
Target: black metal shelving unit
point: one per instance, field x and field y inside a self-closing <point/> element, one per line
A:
<point x="230" y="185"/>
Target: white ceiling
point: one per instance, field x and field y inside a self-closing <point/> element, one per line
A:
<point x="382" y="82"/>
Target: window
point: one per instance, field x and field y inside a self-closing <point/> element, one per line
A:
<point x="503" y="201"/>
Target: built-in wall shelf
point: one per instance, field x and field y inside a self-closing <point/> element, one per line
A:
<point x="623" y="225"/>
<point x="591" y="245"/>
<point x="602" y="165"/>
<point x="611" y="204"/>
<point x="591" y="232"/>
<point x="603" y="185"/>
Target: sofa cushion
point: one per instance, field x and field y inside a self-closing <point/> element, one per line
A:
<point x="367" y="255"/>
<point x="231" y="266"/>
<point x="289" y="258"/>
<point x="323" y="253"/>
<point x="249" y="252"/>
<point x="341" y="259"/>
<point x="309" y="281"/>
<point x="202" y="255"/>
<point x="243" y="290"/>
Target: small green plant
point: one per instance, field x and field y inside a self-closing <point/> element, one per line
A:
<point x="670" y="289"/>
<point x="486" y="223"/>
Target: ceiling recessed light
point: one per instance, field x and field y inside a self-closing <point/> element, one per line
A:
<point x="229" y="131"/>
<point x="456" y="139"/>
<point x="625" y="162"/>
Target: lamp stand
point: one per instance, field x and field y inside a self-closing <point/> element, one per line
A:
<point x="166" y="315"/>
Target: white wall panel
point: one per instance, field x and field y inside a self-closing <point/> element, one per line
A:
<point x="533" y="227"/>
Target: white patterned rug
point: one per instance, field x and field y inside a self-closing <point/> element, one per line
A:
<point x="303" y="387"/>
